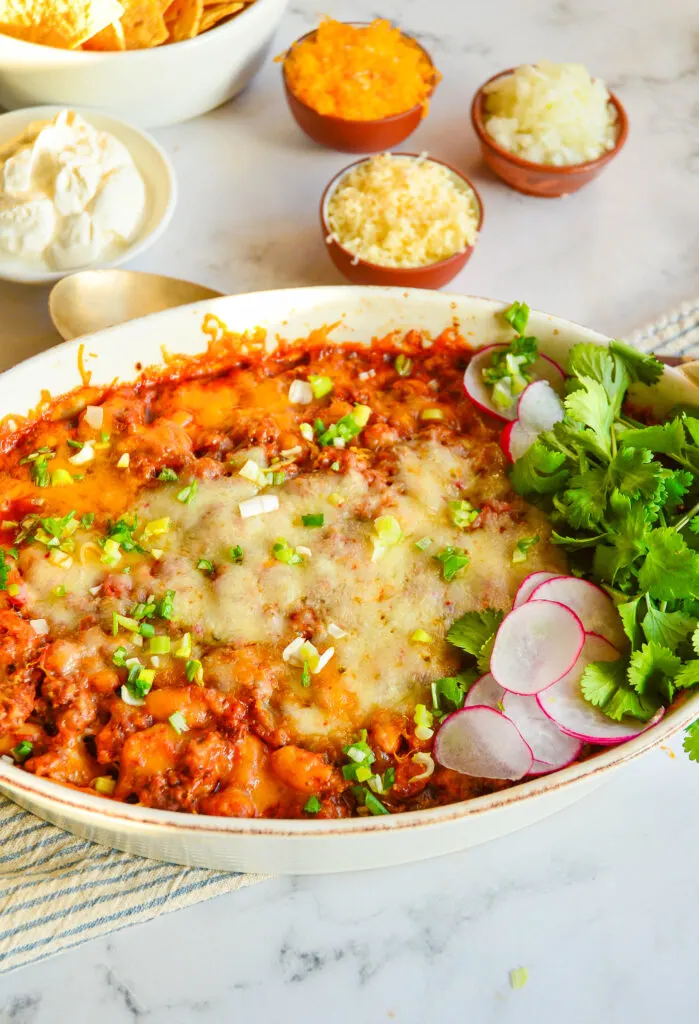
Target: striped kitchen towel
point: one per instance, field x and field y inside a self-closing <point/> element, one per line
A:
<point x="57" y="891"/>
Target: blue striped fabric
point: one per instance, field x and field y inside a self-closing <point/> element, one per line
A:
<point x="57" y="891"/>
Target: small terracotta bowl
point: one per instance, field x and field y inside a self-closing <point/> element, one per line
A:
<point x="542" y="180"/>
<point x="355" y="136"/>
<point x="433" y="275"/>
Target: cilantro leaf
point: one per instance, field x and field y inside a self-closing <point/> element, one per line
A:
<point x="584" y="503"/>
<point x="652" y="669"/>
<point x="474" y="629"/>
<point x="690" y="744"/>
<point x="670" y="569"/>
<point x="629" y="618"/>
<point x="601" y="680"/>
<point x="688" y="675"/>
<point x="590" y="405"/>
<point x="603" y="366"/>
<point x="641" y="368"/>
<point x="4" y="572"/>
<point x="634" y="473"/>
<point x="604" y="685"/>
<point x="668" y="629"/>
<point x="665" y="438"/>
<point x="539" y="471"/>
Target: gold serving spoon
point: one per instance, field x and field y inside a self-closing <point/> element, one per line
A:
<point x="94" y="299"/>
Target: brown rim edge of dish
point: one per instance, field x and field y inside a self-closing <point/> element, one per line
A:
<point x="374" y="120"/>
<point x="335" y="180"/>
<point x="589" y="165"/>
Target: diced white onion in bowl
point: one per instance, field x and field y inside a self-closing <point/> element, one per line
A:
<point x="259" y="505"/>
<point x="94" y="416"/>
<point x="300" y="392"/>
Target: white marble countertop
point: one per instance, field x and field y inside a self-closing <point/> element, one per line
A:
<point x="597" y="902"/>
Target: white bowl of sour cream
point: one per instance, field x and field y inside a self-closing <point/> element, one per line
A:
<point x="78" y="190"/>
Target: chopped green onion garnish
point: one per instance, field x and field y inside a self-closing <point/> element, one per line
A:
<point x="119" y="657"/>
<point x="13" y="589"/>
<point x="518" y="316"/>
<point x="306" y="431"/>
<point x="236" y="554"/>
<point x="423" y="543"/>
<point x="39" y="472"/>
<point x="283" y="552"/>
<point x="463" y="514"/>
<point x="321" y="386"/>
<point x="347" y="427"/>
<point x="335" y="466"/>
<point x="166" y="606"/>
<point x="275" y="479"/>
<point x="388" y="534"/>
<point x="420" y="636"/>
<point x="312" y="805"/>
<point x="518" y="976"/>
<point x="87" y="520"/>
<point x="105" y="784"/>
<point x="126" y="623"/>
<point x="159" y="645"/>
<point x="205" y="565"/>
<point x="432" y="414"/>
<point x="22" y="751"/>
<point x="313" y="519"/>
<point x="75" y="444"/>
<point x="156" y="527"/>
<point x="375" y="805"/>
<point x="522" y="548"/>
<point x="178" y="722"/>
<point x="59" y="591"/>
<point x="305" y="675"/>
<point x="145" y="629"/>
<point x="168" y="474"/>
<point x="194" y="671"/>
<point x="104" y="437"/>
<point x="112" y="553"/>
<point x="187" y="495"/>
<point x="403" y="365"/>
<point x="423" y="718"/>
<point x="453" y="561"/>
<point x="60" y="478"/>
<point x="185" y="646"/>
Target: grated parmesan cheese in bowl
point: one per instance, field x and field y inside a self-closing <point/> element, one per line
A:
<point x="554" y="114"/>
<point x="402" y="211"/>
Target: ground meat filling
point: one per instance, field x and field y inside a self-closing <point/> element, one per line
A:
<point x="197" y="609"/>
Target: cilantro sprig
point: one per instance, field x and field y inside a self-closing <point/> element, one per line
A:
<point x="623" y="498"/>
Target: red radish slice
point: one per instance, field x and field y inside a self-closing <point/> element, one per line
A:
<point x="479" y="392"/>
<point x="529" y="585"/>
<point x="482" y="742"/>
<point x="548" y="744"/>
<point x="539" y="768"/>
<point x="593" y="606"/>
<point x="539" y="406"/>
<point x="486" y="693"/>
<point x="538" y="409"/>
<point x="565" y="705"/>
<point x="535" y="646"/>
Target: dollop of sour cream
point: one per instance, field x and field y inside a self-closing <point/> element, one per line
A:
<point x="70" y="195"/>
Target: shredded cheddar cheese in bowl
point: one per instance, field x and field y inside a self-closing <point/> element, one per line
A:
<point x="551" y="114"/>
<point x="402" y="211"/>
<point x="359" y="73"/>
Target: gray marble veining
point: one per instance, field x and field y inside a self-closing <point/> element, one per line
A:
<point x="597" y="902"/>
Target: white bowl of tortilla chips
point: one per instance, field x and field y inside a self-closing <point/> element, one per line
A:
<point x="152" y="62"/>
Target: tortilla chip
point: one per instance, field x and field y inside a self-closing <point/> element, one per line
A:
<point x="110" y="38"/>
<point x="143" y="24"/>
<point x="217" y="12"/>
<point x="183" y="18"/>
<point x="62" y="23"/>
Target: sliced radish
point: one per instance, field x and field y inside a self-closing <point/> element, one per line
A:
<point x="565" y="705"/>
<point x="482" y="742"/>
<point x="548" y="744"/>
<point x="485" y="692"/>
<point x="539" y="768"/>
<point x="538" y="409"/>
<point x="535" y="646"/>
<point x="539" y="406"/>
<point x="593" y="606"/>
<point x="480" y="393"/>
<point x="529" y="585"/>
